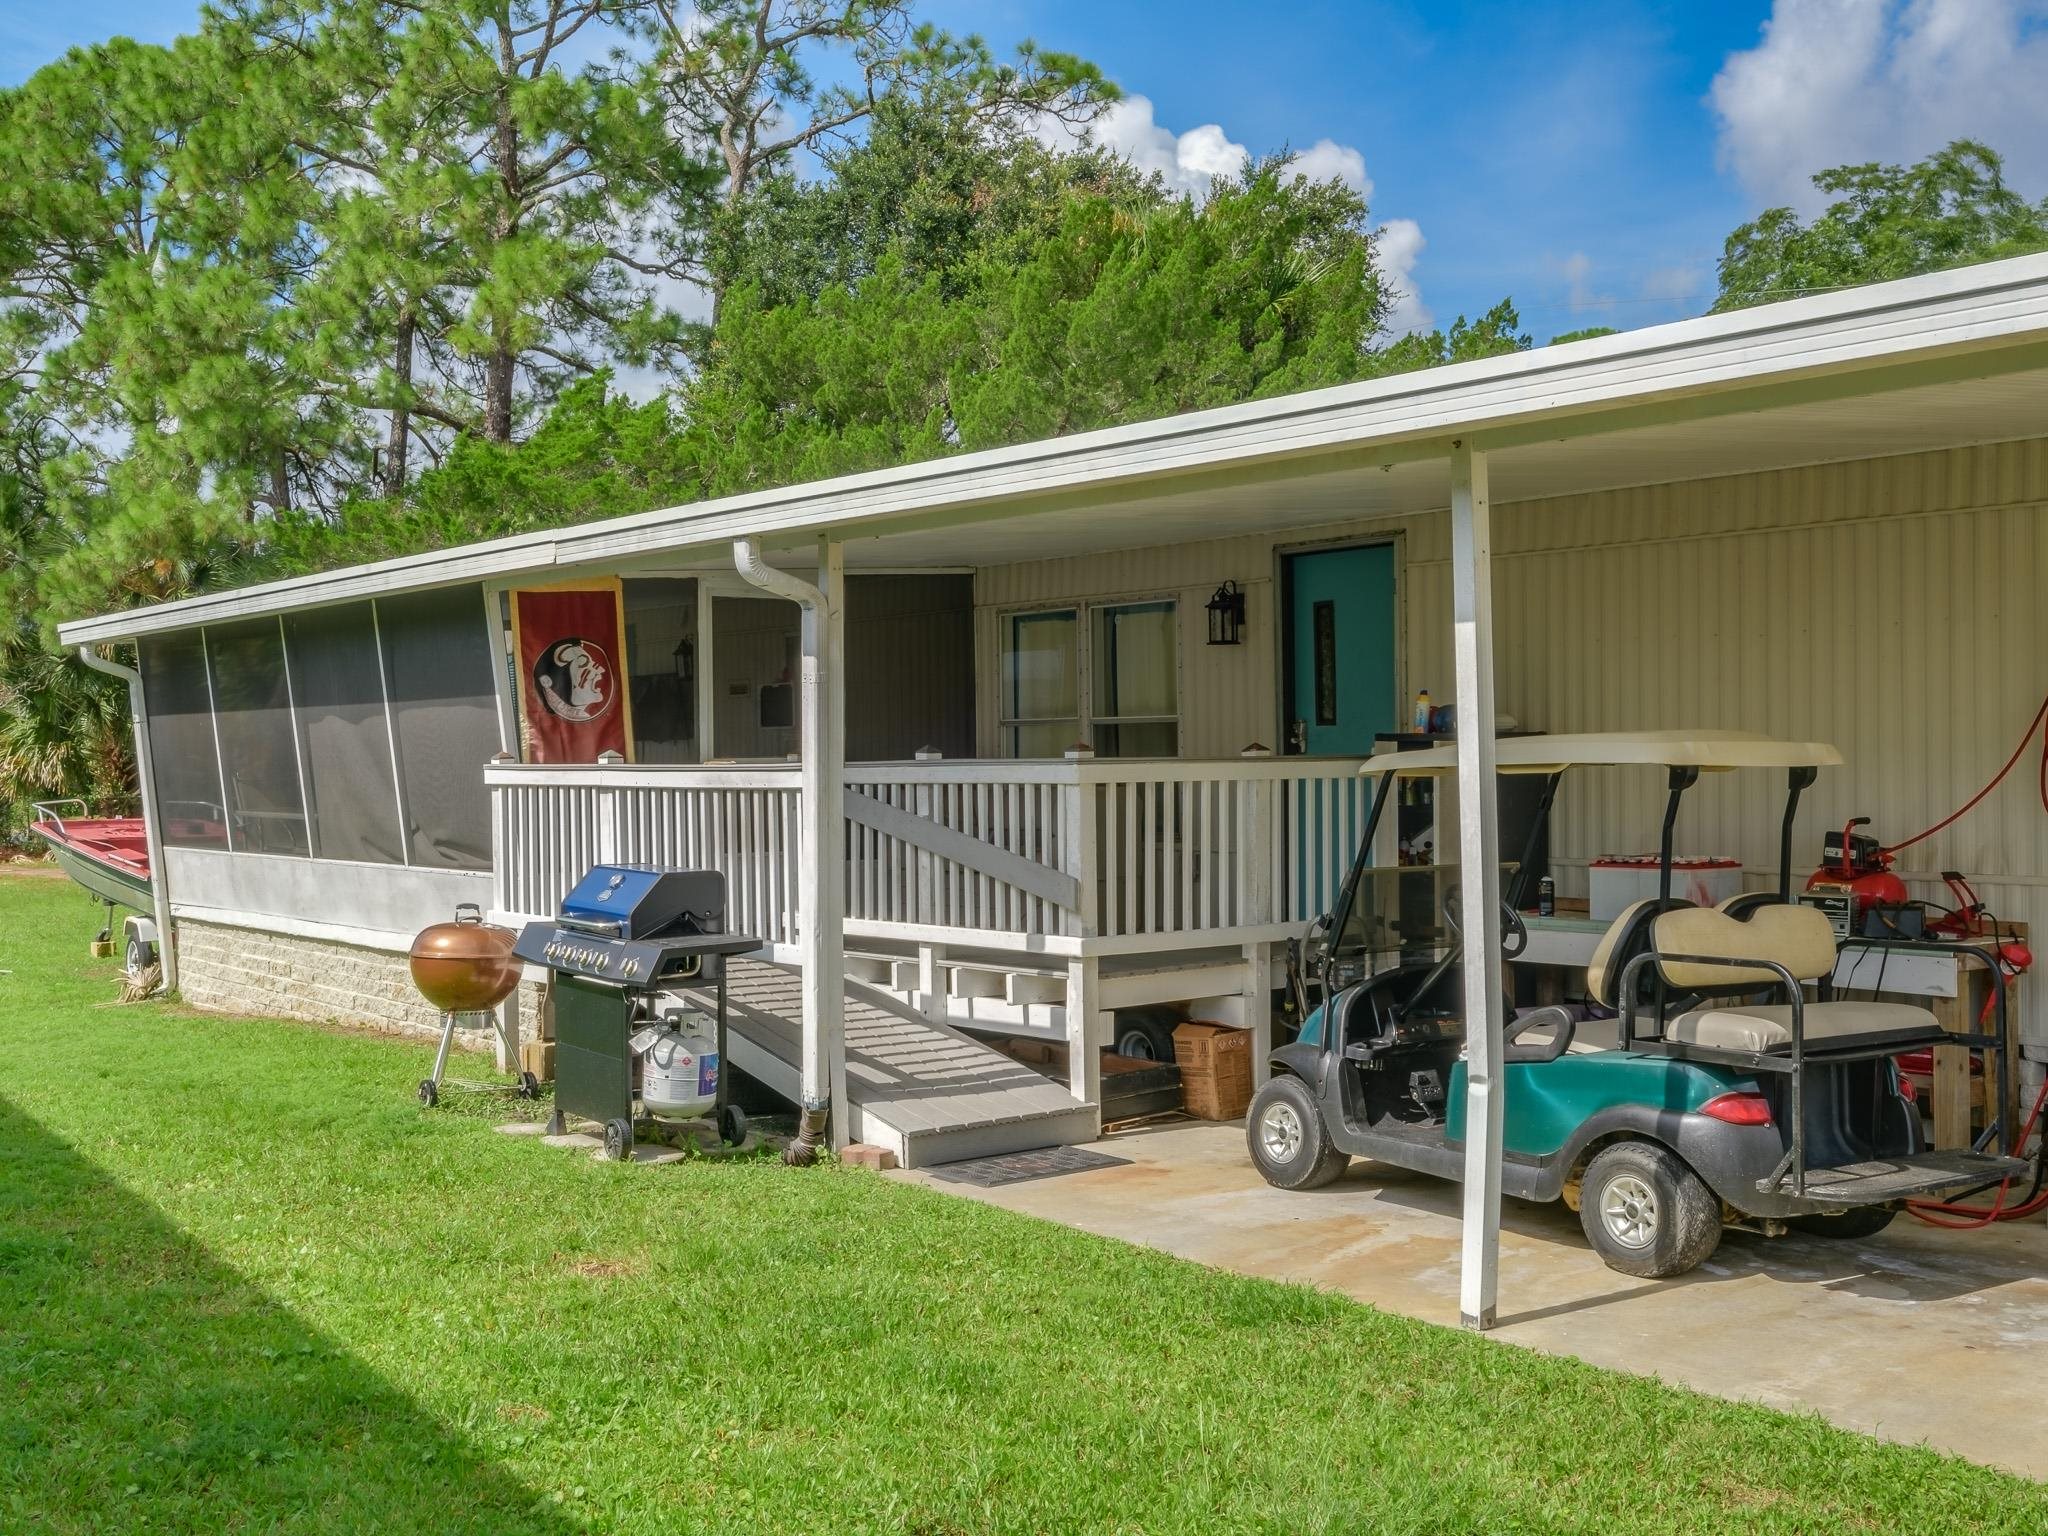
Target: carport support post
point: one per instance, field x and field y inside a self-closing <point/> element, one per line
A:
<point x="1479" y="880"/>
<point x="827" y="960"/>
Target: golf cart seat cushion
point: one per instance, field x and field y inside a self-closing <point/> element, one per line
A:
<point x="1797" y="937"/>
<point x="1624" y="938"/>
<point x="1768" y="1027"/>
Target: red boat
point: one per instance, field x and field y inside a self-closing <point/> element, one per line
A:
<point x="108" y="855"/>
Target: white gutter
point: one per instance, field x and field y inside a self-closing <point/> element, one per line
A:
<point x="1848" y="342"/>
<point x="159" y="876"/>
<point x="821" y="915"/>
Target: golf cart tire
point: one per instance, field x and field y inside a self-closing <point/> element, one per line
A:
<point x="1864" y="1221"/>
<point x="1678" y="1226"/>
<point x="1289" y="1144"/>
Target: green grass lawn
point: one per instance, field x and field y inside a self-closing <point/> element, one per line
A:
<point x="246" y="1284"/>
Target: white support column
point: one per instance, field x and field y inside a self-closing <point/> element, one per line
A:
<point x="826" y="747"/>
<point x="1479" y="881"/>
<point x="931" y="982"/>
<point x="1086" y="1034"/>
<point x="505" y="1041"/>
<point x="1258" y="1008"/>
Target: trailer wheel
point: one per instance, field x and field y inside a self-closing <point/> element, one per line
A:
<point x="1143" y="1034"/>
<point x="1289" y="1143"/>
<point x="1864" y="1221"/>
<point x="140" y="954"/>
<point x="1646" y="1213"/>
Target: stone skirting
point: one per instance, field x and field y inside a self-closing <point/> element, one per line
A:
<point x="321" y="981"/>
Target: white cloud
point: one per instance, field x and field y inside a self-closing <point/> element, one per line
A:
<point x="1398" y="243"/>
<point x="1836" y="82"/>
<point x="1190" y="161"/>
<point x="1187" y="162"/>
<point x="1327" y="160"/>
<point x="1684" y="283"/>
<point x="1578" y="272"/>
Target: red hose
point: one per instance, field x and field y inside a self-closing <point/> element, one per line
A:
<point x="1978" y="798"/>
<point x="1931" y="1211"/>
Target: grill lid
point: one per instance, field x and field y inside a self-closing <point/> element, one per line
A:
<point x="638" y="901"/>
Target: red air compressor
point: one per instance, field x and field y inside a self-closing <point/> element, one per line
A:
<point x="1860" y="868"/>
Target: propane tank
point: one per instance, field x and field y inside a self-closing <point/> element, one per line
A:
<point x="679" y="1067"/>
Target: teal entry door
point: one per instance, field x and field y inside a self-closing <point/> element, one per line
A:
<point x="1340" y="650"/>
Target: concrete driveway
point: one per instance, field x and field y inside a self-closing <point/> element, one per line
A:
<point x="1917" y="1335"/>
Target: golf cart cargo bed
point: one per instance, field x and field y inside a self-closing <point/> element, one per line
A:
<point x="1882" y="1179"/>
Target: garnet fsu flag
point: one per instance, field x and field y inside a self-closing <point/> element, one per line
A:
<point x="574" y="697"/>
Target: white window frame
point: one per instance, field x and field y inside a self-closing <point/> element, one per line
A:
<point x="1084" y="612"/>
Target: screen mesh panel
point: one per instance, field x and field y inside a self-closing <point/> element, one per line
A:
<point x="661" y="652"/>
<point x="186" y="770"/>
<point x="256" y="744"/>
<point x="340" y="691"/>
<point x="437" y="652"/>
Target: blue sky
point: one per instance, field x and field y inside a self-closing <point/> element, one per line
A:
<point x="1586" y="157"/>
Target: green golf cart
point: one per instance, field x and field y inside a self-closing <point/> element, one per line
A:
<point x="1711" y="1080"/>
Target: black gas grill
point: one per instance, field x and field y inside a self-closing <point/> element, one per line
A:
<point x="626" y="933"/>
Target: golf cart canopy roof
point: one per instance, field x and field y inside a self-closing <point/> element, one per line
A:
<point x="1709" y="751"/>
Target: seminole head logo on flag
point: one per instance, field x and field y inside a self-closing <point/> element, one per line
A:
<point x="573" y="693"/>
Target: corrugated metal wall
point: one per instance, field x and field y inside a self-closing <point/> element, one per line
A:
<point x="1894" y="607"/>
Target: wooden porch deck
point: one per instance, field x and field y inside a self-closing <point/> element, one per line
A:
<point x="926" y="1092"/>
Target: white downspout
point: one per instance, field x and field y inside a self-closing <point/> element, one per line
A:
<point x="821" y="916"/>
<point x="159" y="876"/>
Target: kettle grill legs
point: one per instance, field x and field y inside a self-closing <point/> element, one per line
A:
<point x="527" y="1086"/>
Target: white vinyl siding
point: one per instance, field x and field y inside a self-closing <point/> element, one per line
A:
<point x="1889" y="606"/>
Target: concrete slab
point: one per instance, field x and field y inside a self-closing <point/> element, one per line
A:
<point x="1917" y="1335"/>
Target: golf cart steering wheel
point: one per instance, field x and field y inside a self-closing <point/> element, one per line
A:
<point x="1514" y="933"/>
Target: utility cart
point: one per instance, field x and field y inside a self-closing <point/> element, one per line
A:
<point x="1711" y="1080"/>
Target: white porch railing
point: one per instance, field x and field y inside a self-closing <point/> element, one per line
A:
<point x="1057" y="858"/>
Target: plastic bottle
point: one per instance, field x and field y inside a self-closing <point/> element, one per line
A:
<point x="1422" y="712"/>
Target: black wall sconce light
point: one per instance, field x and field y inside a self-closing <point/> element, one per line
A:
<point x="1226" y="615"/>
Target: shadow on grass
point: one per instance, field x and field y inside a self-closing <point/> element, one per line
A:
<point x="145" y="1385"/>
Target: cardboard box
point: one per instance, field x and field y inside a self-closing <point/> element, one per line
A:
<point x="538" y="1057"/>
<point x="1215" y="1064"/>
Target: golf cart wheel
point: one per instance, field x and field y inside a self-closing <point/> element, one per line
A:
<point x="1289" y="1144"/>
<point x="618" y="1140"/>
<point x="1864" y="1221"/>
<point x="732" y="1125"/>
<point x="429" y="1094"/>
<point x="1143" y="1035"/>
<point x="529" y="1086"/>
<point x="1646" y="1213"/>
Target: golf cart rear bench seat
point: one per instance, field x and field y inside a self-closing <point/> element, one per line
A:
<point x="1713" y="954"/>
<point x="1768" y="1026"/>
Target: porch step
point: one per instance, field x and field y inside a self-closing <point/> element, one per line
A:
<point x="926" y="1092"/>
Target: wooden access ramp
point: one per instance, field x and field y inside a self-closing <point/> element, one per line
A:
<point x="927" y="1093"/>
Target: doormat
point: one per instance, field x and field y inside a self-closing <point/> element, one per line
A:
<point x="1020" y="1167"/>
